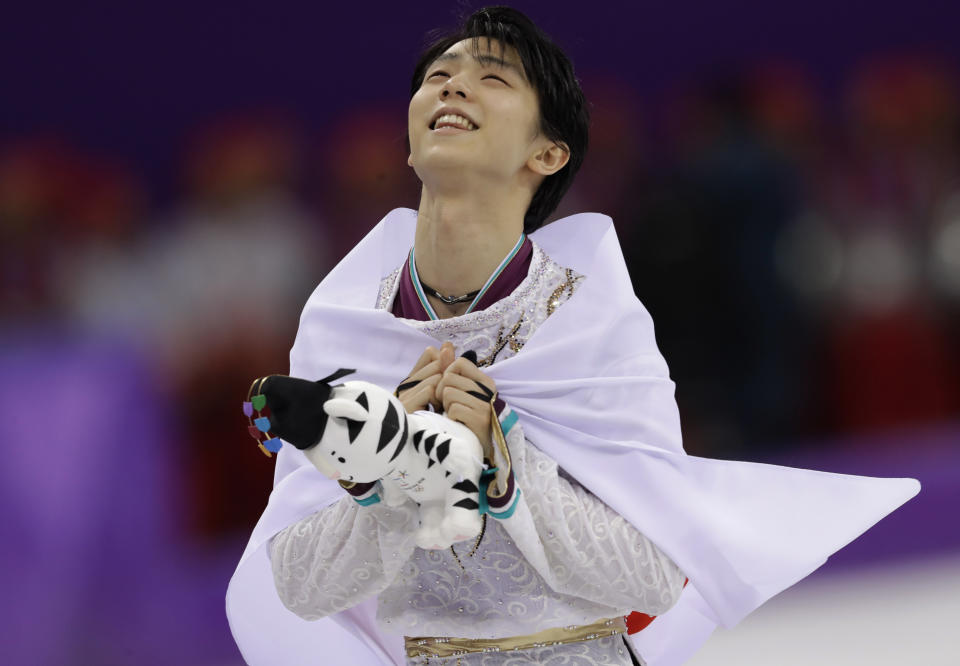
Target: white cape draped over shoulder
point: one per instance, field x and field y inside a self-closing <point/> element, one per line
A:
<point x="593" y="392"/>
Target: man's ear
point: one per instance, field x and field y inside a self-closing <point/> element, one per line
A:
<point x="549" y="160"/>
<point x="410" y="160"/>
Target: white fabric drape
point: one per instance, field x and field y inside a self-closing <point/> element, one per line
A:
<point x="594" y="393"/>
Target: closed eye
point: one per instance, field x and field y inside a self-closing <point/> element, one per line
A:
<point x="488" y="76"/>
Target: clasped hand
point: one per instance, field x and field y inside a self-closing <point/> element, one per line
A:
<point x="453" y="385"/>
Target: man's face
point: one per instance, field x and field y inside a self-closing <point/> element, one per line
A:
<point x="494" y="95"/>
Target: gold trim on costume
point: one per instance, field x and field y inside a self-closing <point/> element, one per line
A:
<point x="503" y="470"/>
<point x="569" y="285"/>
<point x="503" y="341"/>
<point x="450" y="647"/>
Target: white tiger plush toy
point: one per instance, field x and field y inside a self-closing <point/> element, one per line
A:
<point x="359" y="432"/>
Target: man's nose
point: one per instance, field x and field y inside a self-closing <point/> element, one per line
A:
<point x="452" y="88"/>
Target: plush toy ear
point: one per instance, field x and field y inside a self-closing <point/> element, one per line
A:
<point x="345" y="409"/>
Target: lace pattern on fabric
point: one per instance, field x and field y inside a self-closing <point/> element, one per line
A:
<point x="594" y="565"/>
<point x="341" y="555"/>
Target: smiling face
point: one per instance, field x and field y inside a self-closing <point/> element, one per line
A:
<point x="490" y="91"/>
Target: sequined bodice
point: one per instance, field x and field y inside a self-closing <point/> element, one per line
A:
<point x="499" y="331"/>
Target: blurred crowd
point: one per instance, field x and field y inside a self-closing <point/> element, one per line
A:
<point x="799" y="250"/>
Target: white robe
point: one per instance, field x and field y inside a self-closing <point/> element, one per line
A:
<point x="593" y="392"/>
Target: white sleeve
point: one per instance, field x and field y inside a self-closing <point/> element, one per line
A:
<point x="588" y="549"/>
<point x="341" y="555"/>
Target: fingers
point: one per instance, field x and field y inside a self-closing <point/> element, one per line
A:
<point x="471" y="411"/>
<point x="466" y="376"/>
<point x="463" y="366"/>
<point x="433" y="360"/>
<point x="438" y="370"/>
<point x="431" y="369"/>
<point x="421" y="395"/>
<point x="450" y="395"/>
<point x="429" y="355"/>
<point x="427" y="365"/>
<point x="447" y="355"/>
<point x="419" y="388"/>
<point x="462" y="414"/>
<point x="475" y="418"/>
<point x="465" y="385"/>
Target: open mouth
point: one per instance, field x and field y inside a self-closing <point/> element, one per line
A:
<point x="453" y="121"/>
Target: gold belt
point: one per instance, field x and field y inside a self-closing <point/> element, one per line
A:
<point x="450" y="647"/>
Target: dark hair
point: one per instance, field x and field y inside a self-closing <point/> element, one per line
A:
<point x="563" y="109"/>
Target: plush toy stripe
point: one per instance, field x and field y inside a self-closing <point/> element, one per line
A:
<point x="428" y="443"/>
<point x="466" y="486"/>
<point x="389" y="428"/>
<point x="353" y="429"/>
<point x="403" y="438"/>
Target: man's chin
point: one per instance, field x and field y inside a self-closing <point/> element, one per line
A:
<point x="447" y="167"/>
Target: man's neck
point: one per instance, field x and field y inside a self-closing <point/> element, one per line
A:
<point x="461" y="240"/>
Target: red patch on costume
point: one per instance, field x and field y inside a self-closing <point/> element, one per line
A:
<point x="637" y="621"/>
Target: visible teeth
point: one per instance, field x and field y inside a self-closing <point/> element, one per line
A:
<point x="453" y="119"/>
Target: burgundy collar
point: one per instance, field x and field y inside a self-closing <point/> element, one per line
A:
<point x="407" y="306"/>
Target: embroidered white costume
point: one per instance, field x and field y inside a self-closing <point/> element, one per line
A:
<point x="588" y="390"/>
<point x="594" y="564"/>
